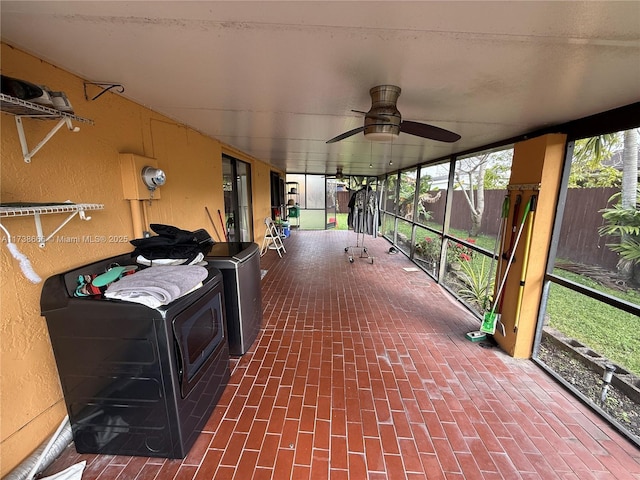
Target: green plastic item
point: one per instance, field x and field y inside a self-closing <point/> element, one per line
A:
<point x="111" y="275"/>
<point x="476" y="336"/>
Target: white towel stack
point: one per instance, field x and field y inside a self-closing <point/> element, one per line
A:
<point x="156" y="286"/>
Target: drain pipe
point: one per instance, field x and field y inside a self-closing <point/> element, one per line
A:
<point x="44" y="455"/>
<point x="606" y="381"/>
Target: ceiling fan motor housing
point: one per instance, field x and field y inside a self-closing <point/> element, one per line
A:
<point x="382" y="121"/>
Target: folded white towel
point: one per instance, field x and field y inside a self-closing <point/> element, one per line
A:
<point x="169" y="261"/>
<point x="148" y="300"/>
<point x="156" y="286"/>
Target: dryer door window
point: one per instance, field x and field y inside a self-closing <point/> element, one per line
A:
<point x="198" y="333"/>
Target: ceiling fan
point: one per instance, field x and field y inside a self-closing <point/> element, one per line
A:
<point x="383" y="120"/>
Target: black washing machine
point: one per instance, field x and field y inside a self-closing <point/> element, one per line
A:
<point x="239" y="263"/>
<point x="137" y="380"/>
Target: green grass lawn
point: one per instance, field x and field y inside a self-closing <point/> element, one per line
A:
<point x="606" y="330"/>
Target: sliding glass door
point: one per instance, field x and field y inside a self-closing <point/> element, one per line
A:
<point x="236" y="180"/>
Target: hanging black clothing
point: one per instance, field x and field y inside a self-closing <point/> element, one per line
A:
<point x="364" y="214"/>
<point x="351" y="205"/>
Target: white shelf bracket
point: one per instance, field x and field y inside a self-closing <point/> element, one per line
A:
<point x="27" y="155"/>
<point x="40" y="233"/>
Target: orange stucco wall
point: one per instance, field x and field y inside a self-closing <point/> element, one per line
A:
<point x="84" y="167"/>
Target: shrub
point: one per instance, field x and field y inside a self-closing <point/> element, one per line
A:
<point x="476" y="286"/>
<point x="429" y="248"/>
<point x="457" y="252"/>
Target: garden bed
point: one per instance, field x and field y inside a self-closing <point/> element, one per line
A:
<point x="583" y="369"/>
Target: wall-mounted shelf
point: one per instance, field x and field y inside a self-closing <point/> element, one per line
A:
<point x="36" y="210"/>
<point x="524" y="187"/>
<point x="293" y="204"/>
<point x="21" y="108"/>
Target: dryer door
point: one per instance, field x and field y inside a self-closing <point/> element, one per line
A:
<point x="198" y="333"/>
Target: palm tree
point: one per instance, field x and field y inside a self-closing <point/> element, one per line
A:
<point x="630" y="168"/>
<point x="623" y="218"/>
<point x="587" y="168"/>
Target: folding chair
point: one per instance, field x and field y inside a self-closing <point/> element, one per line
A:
<point x="272" y="239"/>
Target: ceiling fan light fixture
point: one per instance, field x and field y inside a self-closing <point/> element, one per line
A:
<point x="380" y="136"/>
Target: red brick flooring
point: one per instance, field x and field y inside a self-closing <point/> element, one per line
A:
<point x="362" y="371"/>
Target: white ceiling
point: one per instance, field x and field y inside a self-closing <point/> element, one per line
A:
<point x="277" y="79"/>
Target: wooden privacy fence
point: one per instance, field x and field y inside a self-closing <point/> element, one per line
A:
<point x="579" y="238"/>
<point x="343" y="201"/>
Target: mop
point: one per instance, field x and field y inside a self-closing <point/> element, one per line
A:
<point x="490" y="318"/>
<point x="489" y="323"/>
<point x="505" y="213"/>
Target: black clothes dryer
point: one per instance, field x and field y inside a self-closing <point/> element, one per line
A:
<point x="239" y="263"/>
<point x="137" y="380"/>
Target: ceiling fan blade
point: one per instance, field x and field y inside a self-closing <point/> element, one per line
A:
<point x="346" y="135"/>
<point x="429" y="131"/>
